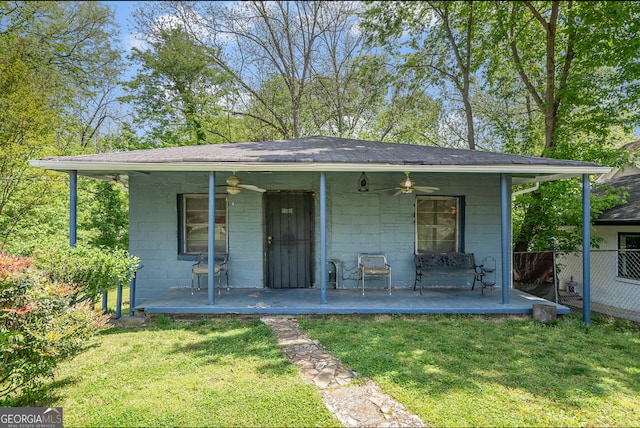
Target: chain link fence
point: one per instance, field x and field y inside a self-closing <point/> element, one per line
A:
<point x="558" y="276"/>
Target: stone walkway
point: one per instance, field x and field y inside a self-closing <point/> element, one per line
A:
<point x="353" y="405"/>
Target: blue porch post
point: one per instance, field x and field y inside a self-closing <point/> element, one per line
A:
<point x="323" y="238"/>
<point x="211" y="238"/>
<point x="586" y="250"/>
<point x="73" y="207"/>
<point x="505" y="220"/>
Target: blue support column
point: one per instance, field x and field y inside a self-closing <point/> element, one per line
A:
<point x="132" y="294"/>
<point x="73" y="207"/>
<point x="586" y="250"/>
<point x="323" y="238"/>
<point x="119" y="301"/>
<point x="505" y="220"/>
<point x="212" y="238"/>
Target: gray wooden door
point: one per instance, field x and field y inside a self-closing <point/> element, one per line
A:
<point x="289" y="239"/>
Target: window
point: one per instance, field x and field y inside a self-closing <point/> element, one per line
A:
<point x="629" y="255"/>
<point x="438" y="224"/>
<point x="193" y="227"/>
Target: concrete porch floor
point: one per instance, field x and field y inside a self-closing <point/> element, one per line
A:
<point x="343" y="301"/>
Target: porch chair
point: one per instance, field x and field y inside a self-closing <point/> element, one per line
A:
<point x="373" y="264"/>
<point x="202" y="268"/>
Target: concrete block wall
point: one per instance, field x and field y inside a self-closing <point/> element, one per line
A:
<point x="356" y="222"/>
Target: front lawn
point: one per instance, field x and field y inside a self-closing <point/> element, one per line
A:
<point x="483" y="371"/>
<point x="449" y="370"/>
<point x="221" y="372"/>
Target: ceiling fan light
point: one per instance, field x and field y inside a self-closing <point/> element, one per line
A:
<point x="407" y="183"/>
<point x="233" y="190"/>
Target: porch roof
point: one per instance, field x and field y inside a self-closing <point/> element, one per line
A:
<point x="321" y="153"/>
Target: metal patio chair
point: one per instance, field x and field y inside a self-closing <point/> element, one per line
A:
<point x="202" y="268"/>
<point x="373" y="264"/>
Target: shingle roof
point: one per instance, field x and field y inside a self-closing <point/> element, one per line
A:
<point x="628" y="213"/>
<point x="318" y="149"/>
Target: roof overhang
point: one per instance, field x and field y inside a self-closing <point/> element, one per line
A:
<point x="522" y="174"/>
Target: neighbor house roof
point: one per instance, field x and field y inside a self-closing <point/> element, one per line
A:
<point x="625" y="178"/>
<point x="321" y="154"/>
<point x="629" y="212"/>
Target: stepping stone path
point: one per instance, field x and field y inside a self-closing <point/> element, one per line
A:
<point x="353" y="405"/>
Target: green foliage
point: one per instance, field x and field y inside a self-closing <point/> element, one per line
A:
<point x="92" y="270"/>
<point x="108" y="216"/>
<point x="438" y="44"/>
<point x="57" y="67"/>
<point x="40" y="326"/>
<point x="176" y="90"/>
<point x="561" y="202"/>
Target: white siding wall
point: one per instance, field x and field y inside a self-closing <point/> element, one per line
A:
<point x="606" y="287"/>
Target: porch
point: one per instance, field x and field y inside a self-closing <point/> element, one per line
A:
<point x="343" y="301"/>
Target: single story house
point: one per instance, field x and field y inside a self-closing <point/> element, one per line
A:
<point x="283" y="209"/>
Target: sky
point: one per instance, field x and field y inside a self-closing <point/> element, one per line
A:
<point x="123" y="11"/>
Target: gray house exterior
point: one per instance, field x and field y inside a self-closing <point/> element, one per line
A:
<point x="304" y="204"/>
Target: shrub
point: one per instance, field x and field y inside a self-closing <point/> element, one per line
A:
<point x="93" y="270"/>
<point x="39" y="327"/>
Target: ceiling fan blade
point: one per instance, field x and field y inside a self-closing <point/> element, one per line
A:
<point x="252" y="187"/>
<point x="426" y="189"/>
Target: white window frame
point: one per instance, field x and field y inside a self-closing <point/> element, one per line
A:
<point x="628" y="257"/>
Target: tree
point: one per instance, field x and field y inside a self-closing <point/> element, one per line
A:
<point x="107" y="215"/>
<point x="55" y="58"/>
<point x="577" y="63"/>
<point x="438" y="42"/>
<point x="176" y="90"/>
<point x="26" y="122"/>
<point x="295" y="68"/>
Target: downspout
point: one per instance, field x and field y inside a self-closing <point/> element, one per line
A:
<point x="586" y="250"/>
<point x="73" y="207"/>
<point x="505" y="220"/>
<point x="211" y="265"/>
<point x="323" y="238"/>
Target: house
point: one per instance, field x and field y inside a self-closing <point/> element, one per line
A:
<point x="283" y="209"/>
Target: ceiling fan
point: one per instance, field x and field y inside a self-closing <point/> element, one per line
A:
<point x="407" y="185"/>
<point x="234" y="185"/>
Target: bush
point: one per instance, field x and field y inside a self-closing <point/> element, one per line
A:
<point x="93" y="270"/>
<point x="39" y="327"/>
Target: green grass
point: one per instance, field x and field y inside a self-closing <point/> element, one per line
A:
<point x="112" y="300"/>
<point x="450" y="370"/>
<point x="481" y="371"/>
<point x="219" y="372"/>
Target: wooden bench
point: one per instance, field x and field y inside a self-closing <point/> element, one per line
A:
<point x="446" y="264"/>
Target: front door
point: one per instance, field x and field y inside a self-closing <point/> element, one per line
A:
<point x="289" y="239"/>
